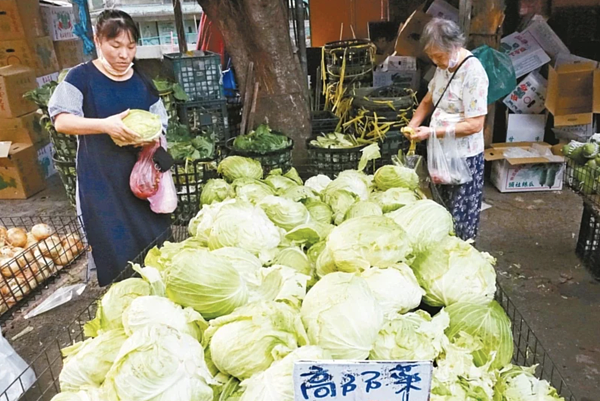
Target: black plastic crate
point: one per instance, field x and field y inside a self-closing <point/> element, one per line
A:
<point x="170" y="103"/>
<point x="324" y="122"/>
<point x="588" y="242"/>
<point x="68" y="175"/>
<point x="389" y="147"/>
<point x="23" y="276"/>
<point x="209" y="117"/>
<point x="269" y="161"/>
<point x="198" y="72"/>
<point x="234" y="115"/>
<point x="331" y="162"/>
<point x="189" y="178"/>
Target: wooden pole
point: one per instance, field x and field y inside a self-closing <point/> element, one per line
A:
<point x="179" y="26"/>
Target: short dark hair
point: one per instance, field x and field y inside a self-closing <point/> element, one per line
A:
<point x="111" y="23"/>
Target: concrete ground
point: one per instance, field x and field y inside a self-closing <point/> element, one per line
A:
<point x="533" y="236"/>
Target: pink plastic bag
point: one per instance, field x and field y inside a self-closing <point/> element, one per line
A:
<point x="164" y="201"/>
<point x="144" y="178"/>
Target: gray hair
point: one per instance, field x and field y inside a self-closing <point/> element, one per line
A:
<point x="443" y="34"/>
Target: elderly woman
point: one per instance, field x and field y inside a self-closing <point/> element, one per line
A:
<point x="457" y="103"/>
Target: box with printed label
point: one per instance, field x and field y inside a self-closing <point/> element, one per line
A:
<point x="24" y="129"/>
<point x="546" y="37"/>
<point x="20" y="175"/>
<point x="15" y="81"/>
<point x="580" y="133"/>
<point x="524" y="52"/>
<point x="45" y="150"/>
<point x="397" y="70"/>
<point x="526" y="128"/>
<point x="20" y="19"/>
<point x="529" y="97"/>
<point x="58" y="19"/>
<point x="69" y="53"/>
<point x="408" y="43"/>
<point x="37" y="53"/>
<point x="528" y="174"/>
<point x="41" y="81"/>
<point x="573" y="96"/>
<point x="441" y="9"/>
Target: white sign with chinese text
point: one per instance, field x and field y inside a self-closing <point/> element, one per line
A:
<point x="362" y="380"/>
<point x="524" y="52"/>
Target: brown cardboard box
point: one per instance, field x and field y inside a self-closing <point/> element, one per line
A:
<point x="24" y="129"/>
<point x="20" y="175"/>
<point x="20" y="19"/>
<point x="59" y="19"/>
<point x="408" y="43"/>
<point x="37" y="53"/>
<point x="69" y="53"/>
<point x="15" y="80"/>
<point x="573" y="94"/>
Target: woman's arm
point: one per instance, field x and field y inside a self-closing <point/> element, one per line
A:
<point x="71" y="124"/>
<point x="424" y="109"/>
<point x="468" y="127"/>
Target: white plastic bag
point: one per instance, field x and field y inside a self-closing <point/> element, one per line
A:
<point x="13" y="367"/>
<point x="444" y="162"/>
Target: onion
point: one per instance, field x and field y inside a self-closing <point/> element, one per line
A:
<point x="31" y="240"/>
<point x="64" y="259"/>
<point x="51" y="247"/>
<point x="17" y="236"/>
<point x="73" y="243"/>
<point x="7" y="251"/>
<point x="41" y="231"/>
<point x="3" y="232"/>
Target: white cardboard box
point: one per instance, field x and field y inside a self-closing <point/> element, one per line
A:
<point x="529" y="97"/>
<point x="59" y="19"/>
<point x="525" y="53"/>
<point x="441" y="9"/>
<point x="580" y="133"/>
<point x="397" y="69"/>
<point x="45" y="160"/>
<point x="526" y="128"/>
<point x="546" y="37"/>
<point x="41" y="81"/>
<point x="525" y="174"/>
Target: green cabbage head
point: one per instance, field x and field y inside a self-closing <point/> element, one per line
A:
<point x="234" y="167"/>
<point x="285" y="213"/>
<point x="362" y="209"/>
<point x="243" y="261"/>
<point x="318" y="183"/>
<point x="147" y="125"/>
<point x="251" y="190"/>
<point x="392" y="176"/>
<point x="393" y="198"/>
<point x="216" y="190"/>
<point x="517" y="383"/>
<point x="320" y="211"/>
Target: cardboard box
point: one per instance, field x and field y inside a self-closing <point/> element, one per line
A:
<point x="441" y="9"/>
<point x="15" y="81"/>
<point x="524" y="52"/>
<point x="69" y="53"/>
<point x="525" y="128"/>
<point x="37" y="53"/>
<point x="529" y="97"/>
<point x="24" y="129"/>
<point x="20" y="19"/>
<point x="546" y="37"/>
<point x="398" y="70"/>
<point x="41" y="81"/>
<point x="20" y="175"/>
<point x="59" y="19"/>
<point x="574" y="95"/>
<point x="567" y="58"/>
<point x="408" y="43"/>
<point x="580" y="133"/>
<point x="525" y="174"/>
<point x="45" y="150"/>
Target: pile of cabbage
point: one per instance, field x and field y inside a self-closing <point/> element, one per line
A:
<point x="278" y="270"/>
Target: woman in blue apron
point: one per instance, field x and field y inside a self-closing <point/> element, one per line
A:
<point x="91" y="103"/>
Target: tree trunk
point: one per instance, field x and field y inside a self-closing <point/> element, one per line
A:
<point x="258" y="31"/>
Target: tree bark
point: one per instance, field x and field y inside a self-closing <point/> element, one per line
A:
<point x="258" y="31"/>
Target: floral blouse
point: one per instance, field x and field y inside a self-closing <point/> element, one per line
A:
<point x="465" y="98"/>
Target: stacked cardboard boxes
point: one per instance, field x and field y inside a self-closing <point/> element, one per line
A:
<point x="59" y="20"/>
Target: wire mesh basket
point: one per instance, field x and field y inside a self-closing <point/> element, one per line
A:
<point x="189" y="178"/>
<point x="351" y="58"/>
<point x="331" y="162"/>
<point x="583" y="180"/>
<point x="281" y="158"/>
<point x="588" y="241"/>
<point x="29" y="267"/>
<point x="209" y="117"/>
<point x="198" y="72"/>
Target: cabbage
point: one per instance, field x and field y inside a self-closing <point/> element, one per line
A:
<point x="488" y="324"/>
<point x="113" y="303"/>
<point x="243" y="261"/>
<point x="414" y="336"/>
<point x="352" y="181"/>
<point x="362" y="242"/>
<point x="201" y="224"/>
<point x="245" y="226"/>
<point x="393" y="198"/>
<point x="396" y="288"/>
<point x="280" y="184"/>
<point x="280" y="283"/>
<point x="159" y="363"/>
<point x="426" y="223"/>
<point x="251" y="190"/>
<point x="89" y="394"/>
<point x="320" y="211"/>
<point x="247" y="341"/>
<point x="454" y="271"/>
<point x="363" y="208"/>
<point x="293" y="175"/>
<point x="206" y="282"/>
<point x="340" y="202"/>
<point x="148" y="310"/>
<point x="517" y="383"/>
<point x="86" y="363"/>
<point x="318" y="183"/>
<point x="147" y="125"/>
<point x="457" y="378"/>
<point x="234" y="167"/>
<point x="160" y="258"/>
<point x="342" y="316"/>
<point x="301" y="194"/>
<point x="277" y="382"/>
<point x="309" y="233"/>
<point x="215" y="190"/>
<point x="285" y="213"/>
<point x="294" y="257"/>
<point x="392" y="176"/>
